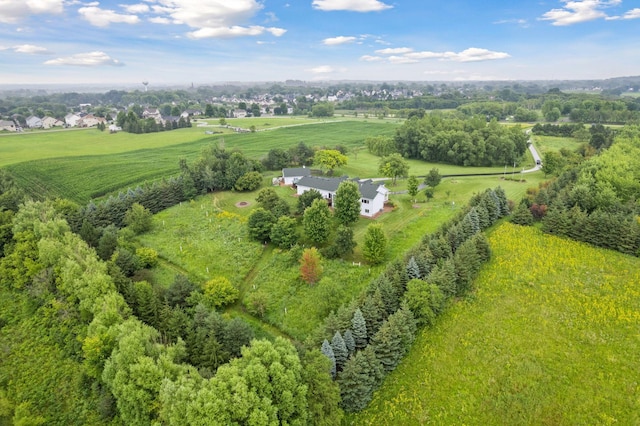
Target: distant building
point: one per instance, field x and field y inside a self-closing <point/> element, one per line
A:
<point x="8" y="125"/>
<point x="34" y="122"/>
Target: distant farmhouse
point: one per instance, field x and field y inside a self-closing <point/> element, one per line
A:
<point x="8" y="125"/>
<point x="373" y="195"/>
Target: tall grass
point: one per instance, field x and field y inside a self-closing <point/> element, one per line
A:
<point x="548" y="337"/>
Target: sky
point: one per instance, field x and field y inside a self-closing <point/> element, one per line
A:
<point x="208" y="41"/>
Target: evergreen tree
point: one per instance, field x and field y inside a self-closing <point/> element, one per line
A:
<point x="413" y="271"/>
<point x="373" y="312"/>
<point x="522" y="215"/>
<point x="146" y="307"/>
<point x="387" y="346"/>
<point x="349" y="342"/>
<point x="503" y="202"/>
<point x="359" y="378"/>
<point x="482" y="247"/>
<point x="443" y="275"/>
<point x="327" y="350"/>
<point x="467" y="265"/>
<point x="359" y="329"/>
<point x="340" y="350"/>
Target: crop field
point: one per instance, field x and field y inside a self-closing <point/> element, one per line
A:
<point x="87" y="168"/>
<point x="550" y="336"/>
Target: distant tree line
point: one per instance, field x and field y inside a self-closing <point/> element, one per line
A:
<point x="469" y="142"/>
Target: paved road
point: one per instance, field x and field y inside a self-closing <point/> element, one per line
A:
<point x="536" y="157"/>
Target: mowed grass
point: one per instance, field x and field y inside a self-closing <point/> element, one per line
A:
<point x="549" y="337"/>
<point x="554" y="143"/>
<point x="80" y="177"/>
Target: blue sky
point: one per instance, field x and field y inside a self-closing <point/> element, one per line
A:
<point x="206" y="41"/>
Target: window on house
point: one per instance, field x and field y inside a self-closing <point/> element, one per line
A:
<point x="366" y="210"/>
<point x="364" y="201"/>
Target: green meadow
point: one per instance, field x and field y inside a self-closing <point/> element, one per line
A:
<point x="548" y="337"/>
<point x="555" y="143"/>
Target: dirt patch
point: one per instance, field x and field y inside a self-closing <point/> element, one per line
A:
<point x="242" y="204"/>
<point x="416" y="206"/>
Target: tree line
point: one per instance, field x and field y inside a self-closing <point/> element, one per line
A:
<point x="468" y="142"/>
<point x="366" y="338"/>
<point x="594" y="201"/>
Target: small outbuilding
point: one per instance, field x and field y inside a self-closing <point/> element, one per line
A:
<point x="291" y="176"/>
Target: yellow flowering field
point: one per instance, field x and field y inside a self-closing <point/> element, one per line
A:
<point x="550" y="336"/>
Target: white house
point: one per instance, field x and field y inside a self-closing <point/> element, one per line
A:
<point x="49" y="122"/>
<point x="291" y="176"/>
<point x="373" y="195"/>
<point x="34" y="122"/>
<point x="71" y="120"/>
<point x="8" y="125"/>
<point x="90" y="121"/>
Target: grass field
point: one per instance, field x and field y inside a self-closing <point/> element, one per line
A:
<point x="549" y="337"/>
<point x="554" y="143"/>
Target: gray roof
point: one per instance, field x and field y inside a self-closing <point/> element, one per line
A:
<point x="299" y="171"/>
<point x="326" y="184"/>
<point x="368" y="188"/>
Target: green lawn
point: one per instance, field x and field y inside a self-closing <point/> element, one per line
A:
<point x="549" y="337"/>
<point x="554" y="143"/>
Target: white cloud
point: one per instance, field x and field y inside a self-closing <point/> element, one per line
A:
<point x="271" y="17"/>
<point x="401" y="60"/>
<point x="394" y="51"/>
<point x="103" y="17"/>
<point x="632" y="14"/>
<point x="91" y="59"/>
<point x="160" y="20"/>
<point x="333" y="41"/>
<point x="31" y="49"/>
<point x="425" y="55"/>
<point x="215" y="18"/>
<point x="474" y="54"/>
<point x="135" y="8"/>
<point x="235" y="31"/>
<point x="369" y="58"/>
<point x="520" y="22"/>
<point x="322" y="69"/>
<point x="351" y="5"/>
<point x="12" y="11"/>
<point x="578" y="11"/>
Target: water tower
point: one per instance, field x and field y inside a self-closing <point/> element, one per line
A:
<point x="146" y="83"/>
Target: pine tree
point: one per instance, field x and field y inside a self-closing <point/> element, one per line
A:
<point x="349" y="342"/>
<point x="359" y="329"/>
<point x="413" y="271"/>
<point x="503" y="202"/>
<point x="522" y="215"/>
<point x="361" y="375"/>
<point x="386" y="344"/>
<point x="467" y="265"/>
<point x="390" y="299"/>
<point x="327" y="350"/>
<point x="340" y="350"/>
<point x="373" y="312"/>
